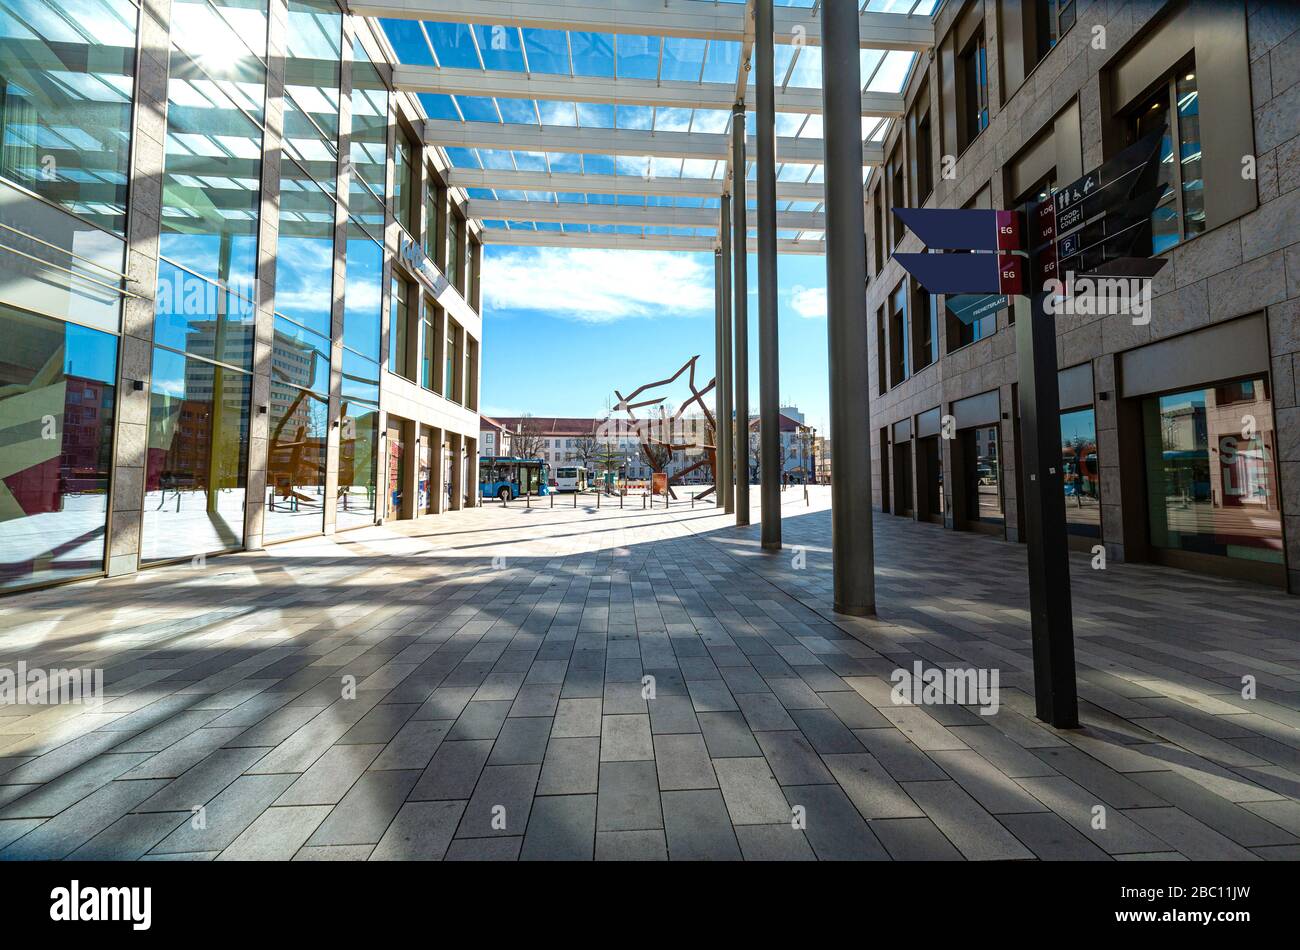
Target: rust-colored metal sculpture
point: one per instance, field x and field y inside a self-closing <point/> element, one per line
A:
<point x="645" y="432"/>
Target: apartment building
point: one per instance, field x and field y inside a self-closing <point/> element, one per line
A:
<point x="239" y="303"/>
<point x="1181" y="432"/>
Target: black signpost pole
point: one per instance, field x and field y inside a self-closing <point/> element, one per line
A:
<point x="1051" y="612"/>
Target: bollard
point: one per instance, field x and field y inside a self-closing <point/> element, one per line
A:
<point x="528" y="499"/>
<point x="552" y="496"/>
<point x="643" y="502"/>
<point x="575" y="499"/>
<point x="598" y="494"/>
<point x="620" y="501"/>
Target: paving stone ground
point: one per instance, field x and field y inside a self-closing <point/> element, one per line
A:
<point x="473" y="687"/>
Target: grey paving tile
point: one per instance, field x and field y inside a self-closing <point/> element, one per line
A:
<point x="752" y="795"/>
<point x="482" y="719"/>
<point x="536" y="699"/>
<point x="68" y="789"/>
<point x="832" y="825"/>
<point x="501" y="802"/>
<point x="998" y="793"/>
<point x="484" y="849"/>
<point x="226" y="816"/>
<point x="170" y="731"/>
<point x="1051" y="838"/>
<point x="870" y="787"/>
<point x="764" y="712"/>
<point x="522" y="742"/>
<point x="413" y="745"/>
<point x="728" y="735"/>
<point x="825" y="730"/>
<point x="453" y="771"/>
<point x="711" y="696"/>
<point x="330" y="776"/>
<point x="1241" y="825"/>
<point x="366" y="811"/>
<point x="698" y="827"/>
<point x="202" y="782"/>
<point x="631" y="846"/>
<point x="571" y="767"/>
<point x="914" y="839"/>
<point x="1189" y="836"/>
<point x="774" y="843"/>
<point x="13" y="829"/>
<point x="577" y="718"/>
<point x="130" y="837"/>
<point x="380" y="725"/>
<point x="625" y="738"/>
<point x="973" y="830"/>
<point x="628" y="797"/>
<point x="561" y="828"/>
<point x="672" y="714"/>
<point x="1109" y="829"/>
<point x="446" y="702"/>
<point x="1104" y="782"/>
<point x="336" y="852"/>
<point x="792" y="758"/>
<point x="683" y="762"/>
<point x="420" y="832"/>
<point x="66" y="832"/>
<point x="1009" y="758"/>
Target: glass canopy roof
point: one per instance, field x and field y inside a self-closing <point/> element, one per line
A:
<point x="503" y="61"/>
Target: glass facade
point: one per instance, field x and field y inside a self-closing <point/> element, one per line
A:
<point x="67" y="78"/>
<point x="1081" y="475"/>
<point x="983" y="474"/>
<point x="57" y="400"/>
<point x="1211" y="471"/>
<point x="359" y="408"/>
<point x="1174" y="108"/>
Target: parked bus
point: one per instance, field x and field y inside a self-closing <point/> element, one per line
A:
<point x="570" y="478"/>
<point x="507" y="478"/>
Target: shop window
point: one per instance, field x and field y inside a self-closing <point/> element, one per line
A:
<point x="1212" y="484"/>
<point x="1173" y="107"/>
<point x="1081" y="475"/>
<point x="983" y="475"/>
<point x="925" y="327"/>
<point x="295" y="463"/>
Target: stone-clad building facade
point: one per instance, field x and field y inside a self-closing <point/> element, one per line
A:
<point x="1180" y="427"/>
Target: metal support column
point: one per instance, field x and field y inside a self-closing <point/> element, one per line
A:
<point x="717" y="377"/>
<point x="769" y="374"/>
<point x="740" y="286"/>
<point x="846" y="312"/>
<point x="727" y="462"/>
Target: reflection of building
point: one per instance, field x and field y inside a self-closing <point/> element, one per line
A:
<point x="1174" y="419"/>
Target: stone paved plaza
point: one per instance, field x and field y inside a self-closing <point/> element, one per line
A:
<point x="498" y="657"/>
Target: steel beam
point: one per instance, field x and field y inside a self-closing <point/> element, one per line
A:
<point x="526" y="237"/>
<point x="504" y="179"/>
<point x="718" y="377"/>
<point x="846" y="320"/>
<point x="769" y="371"/>
<point x="663" y="94"/>
<point x="574" y="212"/>
<point x="632" y="143"/>
<point x="700" y="19"/>
<point x="725" y="384"/>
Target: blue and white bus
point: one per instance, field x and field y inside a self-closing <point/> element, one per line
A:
<point x="507" y="478"/>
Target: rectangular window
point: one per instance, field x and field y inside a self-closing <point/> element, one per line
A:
<point x="900" y="364"/>
<point x="399" y="325"/>
<point x="295" y="463"/>
<point x="428" y="358"/>
<point x="451" y="371"/>
<point x="878" y="203"/>
<point x="972" y="90"/>
<point x="1174" y="108"/>
<point x="1080" y="473"/>
<point x="57" y="406"/>
<point x="882" y="344"/>
<point x="925" y="327"/>
<point x="435" y="200"/>
<point x="1211" y="490"/>
<point x="918" y="136"/>
<point x="455" y="250"/>
<point x="897" y="190"/>
<point x="403" y="187"/>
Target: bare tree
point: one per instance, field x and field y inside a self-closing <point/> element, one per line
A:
<point x="586" y="449"/>
<point x="527" y="441"/>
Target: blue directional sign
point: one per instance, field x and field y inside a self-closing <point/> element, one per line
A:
<point x="964" y="273"/>
<point x="970" y="308"/>
<point x="962" y="229"/>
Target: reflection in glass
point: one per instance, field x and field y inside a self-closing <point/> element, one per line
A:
<point x="214" y="145"/>
<point x="363" y="294"/>
<point x="1211" y="471"/>
<point x="983" y="473"/>
<point x="358" y="445"/>
<point x="57" y="399"/>
<point x="295" y="463"/>
<point x="398" y="321"/>
<point x="67" y="71"/>
<point x="1080" y="473"/>
<point x="369" y="120"/>
<point x="1189" y="152"/>
<point x="300" y="357"/>
<point x="429" y="339"/>
<point x="196" y="316"/>
<point x="305" y="255"/>
<point x="195" y="471"/>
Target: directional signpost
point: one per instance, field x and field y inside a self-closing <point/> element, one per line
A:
<point x="1092" y="227"/>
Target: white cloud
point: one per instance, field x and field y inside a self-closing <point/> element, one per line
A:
<point x="808" y="302"/>
<point x="598" y="286"/>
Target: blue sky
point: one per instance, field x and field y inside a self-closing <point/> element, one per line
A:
<point x="562" y="328"/>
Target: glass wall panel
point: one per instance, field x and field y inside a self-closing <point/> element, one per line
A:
<point x="358" y="445"/>
<point x="295" y="464"/>
<point x="213" y="161"/>
<point x="983" y="474"/>
<point x="429" y="338"/>
<point x="1211" y="471"/>
<point x="57" y="399"/>
<point x="402" y="168"/>
<point x="369" y="121"/>
<point x="300" y="357"/>
<point x="198" y="317"/>
<point x="1081" y="475"/>
<point x="67" y="71"/>
<point x="363" y="294"/>
<point x="195" y="470"/>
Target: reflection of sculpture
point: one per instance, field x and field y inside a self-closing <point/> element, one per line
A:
<point x="659" y="450"/>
